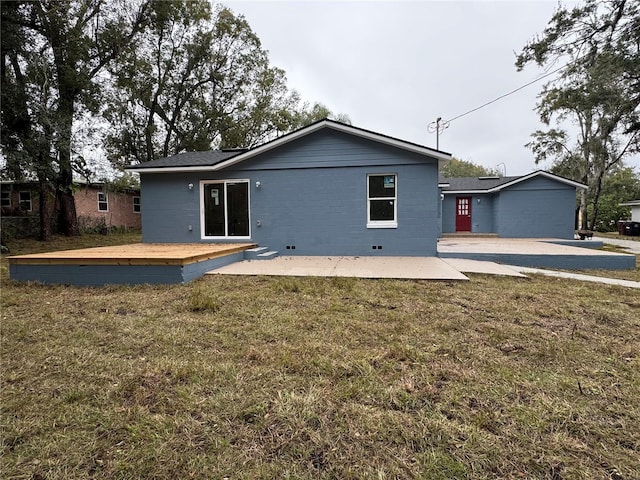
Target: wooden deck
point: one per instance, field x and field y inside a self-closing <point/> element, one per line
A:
<point x="173" y="254"/>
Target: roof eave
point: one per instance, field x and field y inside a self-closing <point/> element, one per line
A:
<point x="535" y="174"/>
<point x="195" y="168"/>
<point x="467" y="192"/>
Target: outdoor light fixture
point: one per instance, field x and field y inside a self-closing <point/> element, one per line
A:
<point x="190" y="186"/>
<point x="258" y="184"/>
<point x="478" y="199"/>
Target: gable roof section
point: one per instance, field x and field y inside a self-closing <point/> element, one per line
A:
<point x="495" y="184"/>
<point x="216" y="159"/>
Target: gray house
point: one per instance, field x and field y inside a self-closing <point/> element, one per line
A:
<point x="537" y="205"/>
<point x="326" y="189"/>
<point x="635" y="209"/>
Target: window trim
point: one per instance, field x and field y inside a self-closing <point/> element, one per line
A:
<point x="139" y="205"/>
<point x="30" y="201"/>
<point x="7" y="192"/>
<point x="383" y="223"/>
<point x="203" y="183"/>
<point x="105" y="201"/>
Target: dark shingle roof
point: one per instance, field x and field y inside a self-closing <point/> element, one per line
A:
<point x="192" y="159"/>
<point x="474" y="183"/>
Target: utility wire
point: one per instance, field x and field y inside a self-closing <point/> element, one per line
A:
<point x="509" y="93"/>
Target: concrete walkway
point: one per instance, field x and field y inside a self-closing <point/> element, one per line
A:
<point x="631" y="246"/>
<point x="577" y="276"/>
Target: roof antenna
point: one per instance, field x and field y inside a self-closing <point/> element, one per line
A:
<point x="438" y="126"/>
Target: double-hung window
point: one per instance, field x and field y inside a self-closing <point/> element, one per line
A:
<point x="24" y="200"/>
<point x="103" y="202"/>
<point x="136" y="204"/>
<point x="6" y="197"/>
<point x="382" y="200"/>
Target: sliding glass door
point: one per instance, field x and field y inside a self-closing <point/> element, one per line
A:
<point x="225" y="208"/>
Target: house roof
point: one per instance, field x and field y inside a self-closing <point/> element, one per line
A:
<point x="495" y="184"/>
<point x="220" y="159"/>
<point x="190" y="159"/>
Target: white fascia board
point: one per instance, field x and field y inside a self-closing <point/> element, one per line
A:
<point x="632" y="203"/>
<point x="465" y="192"/>
<point x="394" y="142"/>
<point x="535" y="174"/>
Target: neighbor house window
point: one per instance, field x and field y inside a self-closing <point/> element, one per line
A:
<point x="24" y="200"/>
<point x="103" y="202"/>
<point x="136" y="204"/>
<point x="382" y="195"/>
<point x="6" y="197"/>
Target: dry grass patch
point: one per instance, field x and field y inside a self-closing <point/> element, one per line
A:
<point x="255" y="377"/>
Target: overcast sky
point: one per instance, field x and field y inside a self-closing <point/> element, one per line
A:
<point x="393" y="67"/>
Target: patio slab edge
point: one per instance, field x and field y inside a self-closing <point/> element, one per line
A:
<point x="569" y="262"/>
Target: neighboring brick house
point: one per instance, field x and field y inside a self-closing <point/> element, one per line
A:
<point x="96" y="204"/>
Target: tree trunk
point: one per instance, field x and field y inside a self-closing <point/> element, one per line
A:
<point x="596" y="199"/>
<point x="64" y="191"/>
<point x="46" y="211"/>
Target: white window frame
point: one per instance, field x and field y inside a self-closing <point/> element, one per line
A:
<point x="6" y="196"/>
<point x="105" y="201"/>
<point x="383" y="223"/>
<point x="226" y="204"/>
<point x="136" y="204"/>
<point x="21" y="201"/>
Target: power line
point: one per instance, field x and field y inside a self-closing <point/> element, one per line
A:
<point x="509" y="93"/>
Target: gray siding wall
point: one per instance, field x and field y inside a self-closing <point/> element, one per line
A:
<point x="539" y="207"/>
<point x="313" y="195"/>
<point x="482" y="214"/>
<point x="449" y="214"/>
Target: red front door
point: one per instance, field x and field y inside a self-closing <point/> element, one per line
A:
<point x="463" y="214"/>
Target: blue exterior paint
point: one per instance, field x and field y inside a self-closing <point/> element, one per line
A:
<point x="570" y="262"/>
<point x="536" y="208"/>
<point x="482" y="213"/>
<point x="449" y="214"/>
<point x="539" y="207"/>
<point x="312" y="195"/>
<point x="98" y="275"/>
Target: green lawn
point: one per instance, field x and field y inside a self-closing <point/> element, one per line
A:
<point x="279" y="377"/>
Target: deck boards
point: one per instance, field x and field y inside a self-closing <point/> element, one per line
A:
<point x="134" y="254"/>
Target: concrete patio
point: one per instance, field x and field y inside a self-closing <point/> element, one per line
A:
<point x="493" y="256"/>
<point x="526" y="252"/>
<point x="425" y="268"/>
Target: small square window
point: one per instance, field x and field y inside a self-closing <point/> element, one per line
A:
<point x="24" y="200"/>
<point x="103" y="202"/>
<point x="136" y="204"/>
